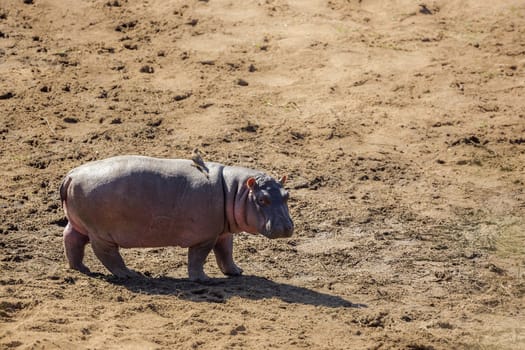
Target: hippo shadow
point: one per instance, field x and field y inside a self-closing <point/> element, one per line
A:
<point x="221" y="289"/>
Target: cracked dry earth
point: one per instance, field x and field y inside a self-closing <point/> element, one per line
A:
<point x="401" y="126"/>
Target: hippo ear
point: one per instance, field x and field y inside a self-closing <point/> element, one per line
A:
<point x="251" y="183"/>
<point x="283" y="179"/>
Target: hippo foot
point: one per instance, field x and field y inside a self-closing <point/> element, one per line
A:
<point x="232" y="270"/>
<point x="125" y="274"/>
<point x="81" y="268"/>
<point x="200" y="278"/>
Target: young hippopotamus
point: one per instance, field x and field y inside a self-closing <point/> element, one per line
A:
<point x="136" y="201"/>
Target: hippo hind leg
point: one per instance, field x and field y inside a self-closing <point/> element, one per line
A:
<point x="223" y="250"/>
<point x="74" y="244"/>
<point x="109" y="256"/>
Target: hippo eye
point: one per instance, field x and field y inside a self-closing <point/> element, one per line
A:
<point x="263" y="200"/>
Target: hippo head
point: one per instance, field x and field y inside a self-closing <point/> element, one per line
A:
<point x="268" y="211"/>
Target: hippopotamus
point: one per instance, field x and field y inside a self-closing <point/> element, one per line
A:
<point x="138" y="201"/>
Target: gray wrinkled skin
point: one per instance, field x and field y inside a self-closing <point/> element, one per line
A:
<point x="135" y="201"/>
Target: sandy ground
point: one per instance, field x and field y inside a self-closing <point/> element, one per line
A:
<point x="401" y="126"/>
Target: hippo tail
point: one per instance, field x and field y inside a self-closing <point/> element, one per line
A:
<point x="63" y="189"/>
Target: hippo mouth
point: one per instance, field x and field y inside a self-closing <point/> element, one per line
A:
<point x="283" y="231"/>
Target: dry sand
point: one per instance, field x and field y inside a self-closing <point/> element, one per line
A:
<point x="401" y="127"/>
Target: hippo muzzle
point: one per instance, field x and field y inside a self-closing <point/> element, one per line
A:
<point x="281" y="228"/>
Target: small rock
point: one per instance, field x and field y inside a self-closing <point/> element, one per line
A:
<point x="147" y="69"/>
<point x="495" y="269"/>
<point x="125" y="26"/>
<point x="423" y="9"/>
<point x="207" y="62"/>
<point x="192" y="22"/>
<point x="114" y="3"/>
<point x="154" y="123"/>
<point x="242" y="82"/>
<point x="12" y="227"/>
<point x="237" y="329"/>
<point x="70" y="120"/>
<point x="7" y="95"/>
<point x="249" y="128"/>
<point x="131" y="46"/>
<point x="182" y="97"/>
<point x="406" y="318"/>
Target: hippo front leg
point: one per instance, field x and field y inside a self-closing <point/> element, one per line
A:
<point x="223" y="250"/>
<point x="196" y="257"/>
